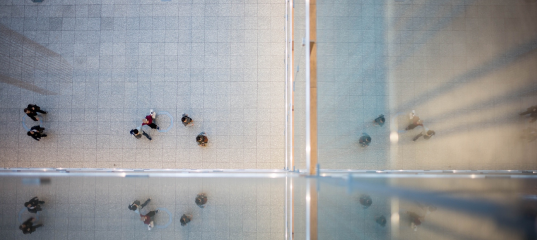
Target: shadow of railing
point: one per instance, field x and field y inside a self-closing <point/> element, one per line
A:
<point x="25" y="61"/>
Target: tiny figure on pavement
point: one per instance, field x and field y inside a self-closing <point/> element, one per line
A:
<point x="36" y="132"/>
<point x="414" y="121"/>
<point x="380" y="120"/>
<point x="136" y="133"/>
<point x="28" y="226"/>
<point x="202" y="139"/>
<point x="426" y="133"/>
<point x="148" y="219"/>
<point x="149" y="120"/>
<point x="33" y="205"/>
<point x="366" y="201"/>
<point x="135" y="206"/>
<point x="532" y="111"/>
<point x="186" y="119"/>
<point x="185" y="219"/>
<point x="365" y="140"/>
<point x="530" y="134"/>
<point x="381" y="221"/>
<point x="415" y="220"/>
<point x="201" y="200"/>
<point x="32" y="111"/>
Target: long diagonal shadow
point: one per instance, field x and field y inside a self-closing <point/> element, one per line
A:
<point x="472" y="75"/>
<point x="25" y="85"/>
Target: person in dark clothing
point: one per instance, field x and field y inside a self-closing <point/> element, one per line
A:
<point x="201" y="200"/>
<point x="36" y="132"/>
<point x="148" y="219"/>
<point x="28" y="226"/>
<point x="532" y="111"/>
<point x="149" y="120"/>
<point x="381" y="221"/>
<point x="426" y="133"/>
<point x="366" y="201"/>
<point x="32" y="111"/>
<point x="530" y="134"/>
<point x="136" y="133"/>
<point x="33" y="205"/>
<point x="185" y="219"/>
<point x="135" y="206"/>
<point x="186" y="119"/>
<point x="380" y="120"/>
<point x="365" y="140"/>
<point x="202" y="139"/>
<point x="415" y="220"/>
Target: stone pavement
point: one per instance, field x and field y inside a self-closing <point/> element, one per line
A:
<point x="96" y="208"/>
<point x="98" y="66"/>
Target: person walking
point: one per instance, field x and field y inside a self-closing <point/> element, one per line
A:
<point x="186" y="119"/>
<point x="415" y="220"/>
<point x="32" y="111"/>
<point x="381" y="221"/>
<point x="366" y="201"/>
<point x="33" y="205"/>
<point x="201" y="200"/>
<point x="380" y="120"/>
<point x="426" y="133"/>
<point x="202" y="139"/>
<point x="135" y="206"/>
<point x="28" y="227"/>
<point x="36" y="132"/>
<point x="148" y="219"/>
<point x="136" y="133"/>
<point x="149" y="120"/>
<point x="365" y="140"/>
<point x="532" y="111"/>
<point x="185" y="219"/>
<point x="414" y="121"/>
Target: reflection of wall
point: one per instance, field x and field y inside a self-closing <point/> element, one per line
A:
<point x="23" y="61"/>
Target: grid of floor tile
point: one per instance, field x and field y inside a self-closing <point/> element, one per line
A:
<point x="465" y="67"/>
<point x="96" y="208"/>
<point x="98" y="66"/>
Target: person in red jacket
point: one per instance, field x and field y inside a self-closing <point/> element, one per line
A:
<point x="149" y="120"/>
<point x="147" y="219"/>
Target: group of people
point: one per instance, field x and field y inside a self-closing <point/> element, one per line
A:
<point x="530" y="133"/>
<point x="37" y="131"/>
<point x="33" y="206"/>
<point x="366" y="201"/>
<point x="414" y="121"/>
<point x="148" y="218"/>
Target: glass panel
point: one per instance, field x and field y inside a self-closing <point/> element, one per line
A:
<point x="299" y="124"/>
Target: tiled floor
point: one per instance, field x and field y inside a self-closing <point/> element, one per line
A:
<point x="98" y="66"/>
<point x="96" y="208"/>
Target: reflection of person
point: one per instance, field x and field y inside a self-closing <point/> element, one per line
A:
<point x="415" y="220"/>
<point x="530" y="134"/>
<point x="426" y="133"/>
<point x="414" y="121"/>
<point x="36" y="132"/>
<point x="381" y="221"/>
<point x="185" y="219"/>
<point x="366" y="201"/>
<point x="365" y="140"/>
<point x="380" y="120"/>
<point x="201" y="200"/>
<point x="149" y="120"/>
<point x="532" y="111"/>
<point x="186" y="119"/>
<point x="147" y="219"/>
<point x="135" y="206"/>
<point x="202" y="139"/>
<point x="28" y="226"/>
<point x="32" y="111"/>
<point x="33" y="205"/>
